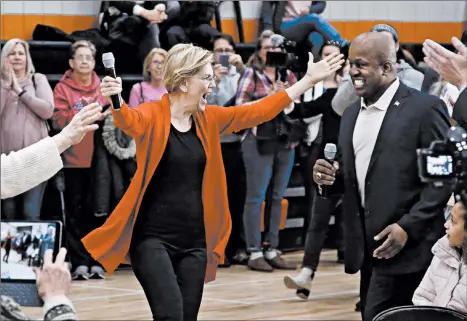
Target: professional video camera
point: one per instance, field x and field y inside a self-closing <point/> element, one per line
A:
<point x="282" y="60"/>
<point x="444" y="162"/>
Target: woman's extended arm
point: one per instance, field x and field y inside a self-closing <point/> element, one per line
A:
<point x="30" y="166"/>
<point x="234" y="119"/>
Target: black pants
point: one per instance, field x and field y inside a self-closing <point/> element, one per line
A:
<point x="380" y="292"/>
<point x="236" y="191"/>
<point x="318" y="227"/>
<point x="80" y="219"/>
<point x="172" y="278"/>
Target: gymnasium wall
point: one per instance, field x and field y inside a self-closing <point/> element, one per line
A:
<point x="415" y="20"/>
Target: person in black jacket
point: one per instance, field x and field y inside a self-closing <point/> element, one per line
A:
<point x="136" y="23"/>
<point x="193" y="24"/>
<point x="391" y="218"/>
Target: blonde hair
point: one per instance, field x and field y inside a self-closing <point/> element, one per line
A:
<point x="148" y="60"/>
<point x="184" y="61"/>
<point x="82" y="44"/>
<point x="8" y="47"/>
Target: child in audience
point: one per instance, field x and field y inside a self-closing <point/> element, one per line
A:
<point x="445" y="282"/>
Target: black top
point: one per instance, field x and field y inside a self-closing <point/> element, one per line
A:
<point x="331" y="120"/>
<point x="172" y="207"/>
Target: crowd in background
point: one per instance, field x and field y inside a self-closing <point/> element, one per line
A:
<point x="258" y="161"/>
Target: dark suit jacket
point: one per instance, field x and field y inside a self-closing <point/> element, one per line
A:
<point x="393" y="190"/>
<point x="459" y="113"/>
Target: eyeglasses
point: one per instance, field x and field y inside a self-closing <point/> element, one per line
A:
<point x="223" y="50"/>
<point x="84" y="58"/>
<point x="207" y="80"/>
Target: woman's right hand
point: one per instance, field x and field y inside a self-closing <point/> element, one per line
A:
<point x="323" y="68"/>
<point x="111" y="86"/>
<point x="82" y="123"/>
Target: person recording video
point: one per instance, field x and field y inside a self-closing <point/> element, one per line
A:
<point x="392" y="219"/>
<point x="267" y="156"/>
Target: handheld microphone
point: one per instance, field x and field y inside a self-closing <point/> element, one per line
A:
<point x="330" y="151"/>
<point x="109" y="63"/>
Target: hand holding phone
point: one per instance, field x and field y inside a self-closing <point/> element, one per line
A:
<point x="224" y="59"/>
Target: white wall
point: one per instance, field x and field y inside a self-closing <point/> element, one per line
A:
<point x="436" y="11"/>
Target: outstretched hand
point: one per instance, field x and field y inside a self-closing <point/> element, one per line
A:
<point x="450" y="65"/>
<point x="325" y="67"/>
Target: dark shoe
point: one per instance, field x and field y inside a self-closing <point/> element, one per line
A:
<point x="279" y="263"/>
<point x="358" y="306"/>
<point x="226" y="264"/>
<point x="340" y="257"/>
<point x="259" y="264"/>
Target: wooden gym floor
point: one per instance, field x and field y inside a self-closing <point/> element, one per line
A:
<point x="237" y="294"/>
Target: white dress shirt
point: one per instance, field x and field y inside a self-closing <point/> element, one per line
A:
<point x="366" y="131"/>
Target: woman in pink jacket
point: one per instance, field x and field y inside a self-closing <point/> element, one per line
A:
<point x="445" y="282"/>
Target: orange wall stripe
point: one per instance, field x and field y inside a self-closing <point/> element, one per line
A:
<point x="22" y="26"/>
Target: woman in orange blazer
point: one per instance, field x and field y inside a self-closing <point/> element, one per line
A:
<point x="174" y="219"/>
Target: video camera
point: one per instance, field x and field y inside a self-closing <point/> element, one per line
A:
<point x="282" y="60"/>
<point x="444" y="162"/>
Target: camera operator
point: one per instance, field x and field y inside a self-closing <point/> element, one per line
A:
<point x="392" y="219"/>
<point x="268" y="157"/>
<point x="453" y="68"/>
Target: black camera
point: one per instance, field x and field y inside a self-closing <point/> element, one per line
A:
<point x="284" y="59"/>
<point x="444" y="162"/>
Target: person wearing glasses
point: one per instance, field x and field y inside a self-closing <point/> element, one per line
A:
<point x="173" y="222"/>
<point x="78" y="88"/>
<point x="152" y="88"/>
<point x="227" y="77"/>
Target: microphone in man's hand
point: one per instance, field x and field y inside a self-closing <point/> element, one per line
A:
<point x="109" y="63"/>
<point x="330" y="151"/>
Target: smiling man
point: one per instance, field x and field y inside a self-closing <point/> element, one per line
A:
<point x="391" y="218"/>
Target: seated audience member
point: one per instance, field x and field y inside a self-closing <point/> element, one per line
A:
<point x="445" y="282"/>
<point x="152" y="88"/>
<point x="300" y="21"/>
<point x="53" y="285"/>
<point x="143" y="21"/>
<point x="453" y="68"/>
<point x="268" y="158"/>
<point x="26" y="102"/>
<point x="32" y="165"/>
<point x="346" y="95"/>
<point x="79" y="87"/>
<point x="193" y="24"/>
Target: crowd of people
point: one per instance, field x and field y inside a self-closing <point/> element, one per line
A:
<point x="369" y="97"/>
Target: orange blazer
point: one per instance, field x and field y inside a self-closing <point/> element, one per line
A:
<point x="149" y="125"/>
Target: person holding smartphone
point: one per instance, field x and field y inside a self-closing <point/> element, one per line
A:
<point x="228" y="67"/>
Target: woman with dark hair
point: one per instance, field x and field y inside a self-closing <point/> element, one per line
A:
<point x="445" y="282"/>
<point x="268" y="160"/>
<point x="321" y="208"/>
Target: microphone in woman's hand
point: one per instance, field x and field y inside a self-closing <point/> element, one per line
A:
<point x="109" y="63"/>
